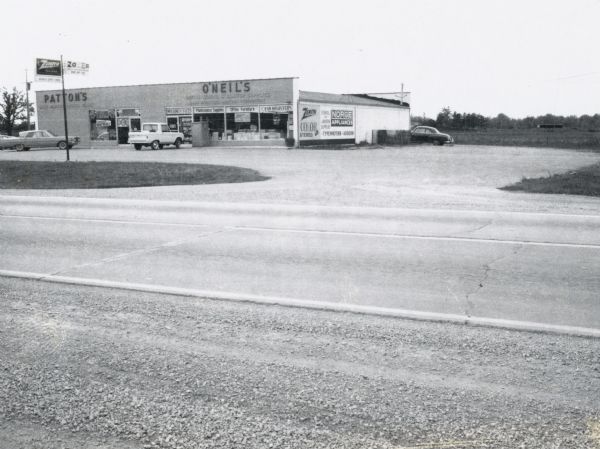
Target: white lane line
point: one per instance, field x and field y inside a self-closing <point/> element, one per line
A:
<point x="528" y="326"/>
<point x="323" y="231"/>
<point x="421" y="237"/>
<point x="107" y="220"/>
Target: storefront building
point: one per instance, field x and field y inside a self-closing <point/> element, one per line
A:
<point x="238" y="112"/>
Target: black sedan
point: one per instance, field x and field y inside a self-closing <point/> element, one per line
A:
<point x="429" y="134"/>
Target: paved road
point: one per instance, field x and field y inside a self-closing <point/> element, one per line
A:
<point x="84" y="367"/>
<point x="528" y="267"/>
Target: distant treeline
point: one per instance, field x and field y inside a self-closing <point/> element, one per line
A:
<point x="448" y="119"/>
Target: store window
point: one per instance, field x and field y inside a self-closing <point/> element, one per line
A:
<point x="273" y="126"/>
<point x="274" y="121"/>
<point x="102" y="125"/>
<point x="216" y="121"/>
<point x="242" y="126"/>
<point x="179" y="119"/>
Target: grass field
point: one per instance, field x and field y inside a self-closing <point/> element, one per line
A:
<point x="552" y="138"/>
<point x="585" y="181"/>
<point x="104" y="175"/>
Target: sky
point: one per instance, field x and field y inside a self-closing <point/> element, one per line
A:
<point x="519" y="58"/>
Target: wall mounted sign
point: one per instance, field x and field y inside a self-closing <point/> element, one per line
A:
<point x="276" y="108"/>
<point x="178" y="111"/>
<point x="319" y="121"/>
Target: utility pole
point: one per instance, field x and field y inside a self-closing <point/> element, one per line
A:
<point x="64" y="98"/>
<point x="27" y="99"/>
<point x="402" y="94"/>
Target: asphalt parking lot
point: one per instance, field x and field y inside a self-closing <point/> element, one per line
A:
<point x="456" y="177"/>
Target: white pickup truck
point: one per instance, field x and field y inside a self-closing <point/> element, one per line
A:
<point x="155" y="136"/>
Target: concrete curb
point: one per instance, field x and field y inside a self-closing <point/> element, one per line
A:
<point x="515" y="325"/>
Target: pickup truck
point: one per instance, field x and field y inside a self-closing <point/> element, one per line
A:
<point x="155" y="136"/>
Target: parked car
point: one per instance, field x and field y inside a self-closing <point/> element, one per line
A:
<point x="43" y="139"/>
<point x="7" y="142"/>
<point x="430" y="135"/>
<point x="155" y="136"/>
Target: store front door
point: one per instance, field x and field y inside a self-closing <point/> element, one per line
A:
<point x="185" y="127"/>
<point x="136" y="124"/>
<point x="128" y="119"/>
<point x="128" y="124"/>
<point x="181" y="124"/>
<point x="173" y="124"/>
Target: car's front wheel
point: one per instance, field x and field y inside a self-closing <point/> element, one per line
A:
<point x="177" y="143"/>
<point x="62" y="145"/>
<point x="20" y="147"/>
<point x="155" y="145"/>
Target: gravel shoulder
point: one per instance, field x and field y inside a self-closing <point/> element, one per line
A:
<point x="89" y="367"/>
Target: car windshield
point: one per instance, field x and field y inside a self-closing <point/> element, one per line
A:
<point x="49" y="134"/>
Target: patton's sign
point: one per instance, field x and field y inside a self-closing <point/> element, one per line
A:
<point x="72" y="97"/>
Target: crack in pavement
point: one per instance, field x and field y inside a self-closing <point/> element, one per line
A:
<point x="487" y="267"/>
<point x="479" y="228"/>
<point x="121" y="256"/>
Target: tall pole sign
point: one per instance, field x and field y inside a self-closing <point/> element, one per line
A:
<point x="27" y="88"/>
<point x="64" y="102"/>
<point x="54" y="70"/>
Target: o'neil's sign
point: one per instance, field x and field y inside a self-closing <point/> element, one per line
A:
<point x="47" y="69"/>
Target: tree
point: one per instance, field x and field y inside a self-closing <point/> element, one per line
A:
<point x="13" y="109"/>
<point x="443" y="118"/>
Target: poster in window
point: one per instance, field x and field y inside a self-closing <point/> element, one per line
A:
<point x="242" y="117"/>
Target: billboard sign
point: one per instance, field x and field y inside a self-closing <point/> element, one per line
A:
<point x="47" y="69"/>
<point x="77" y="68"/>
<point x="324" y="122"/>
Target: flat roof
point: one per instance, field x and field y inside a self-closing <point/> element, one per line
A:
<point x="351" y="99"/>
<point x="173" y="84"/>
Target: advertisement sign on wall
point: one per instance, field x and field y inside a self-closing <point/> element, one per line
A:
<point x="276" y="109"/>
<point x="309" y="122"/>
<point x="326" y="122"/>
<point x="178" y="111"/>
